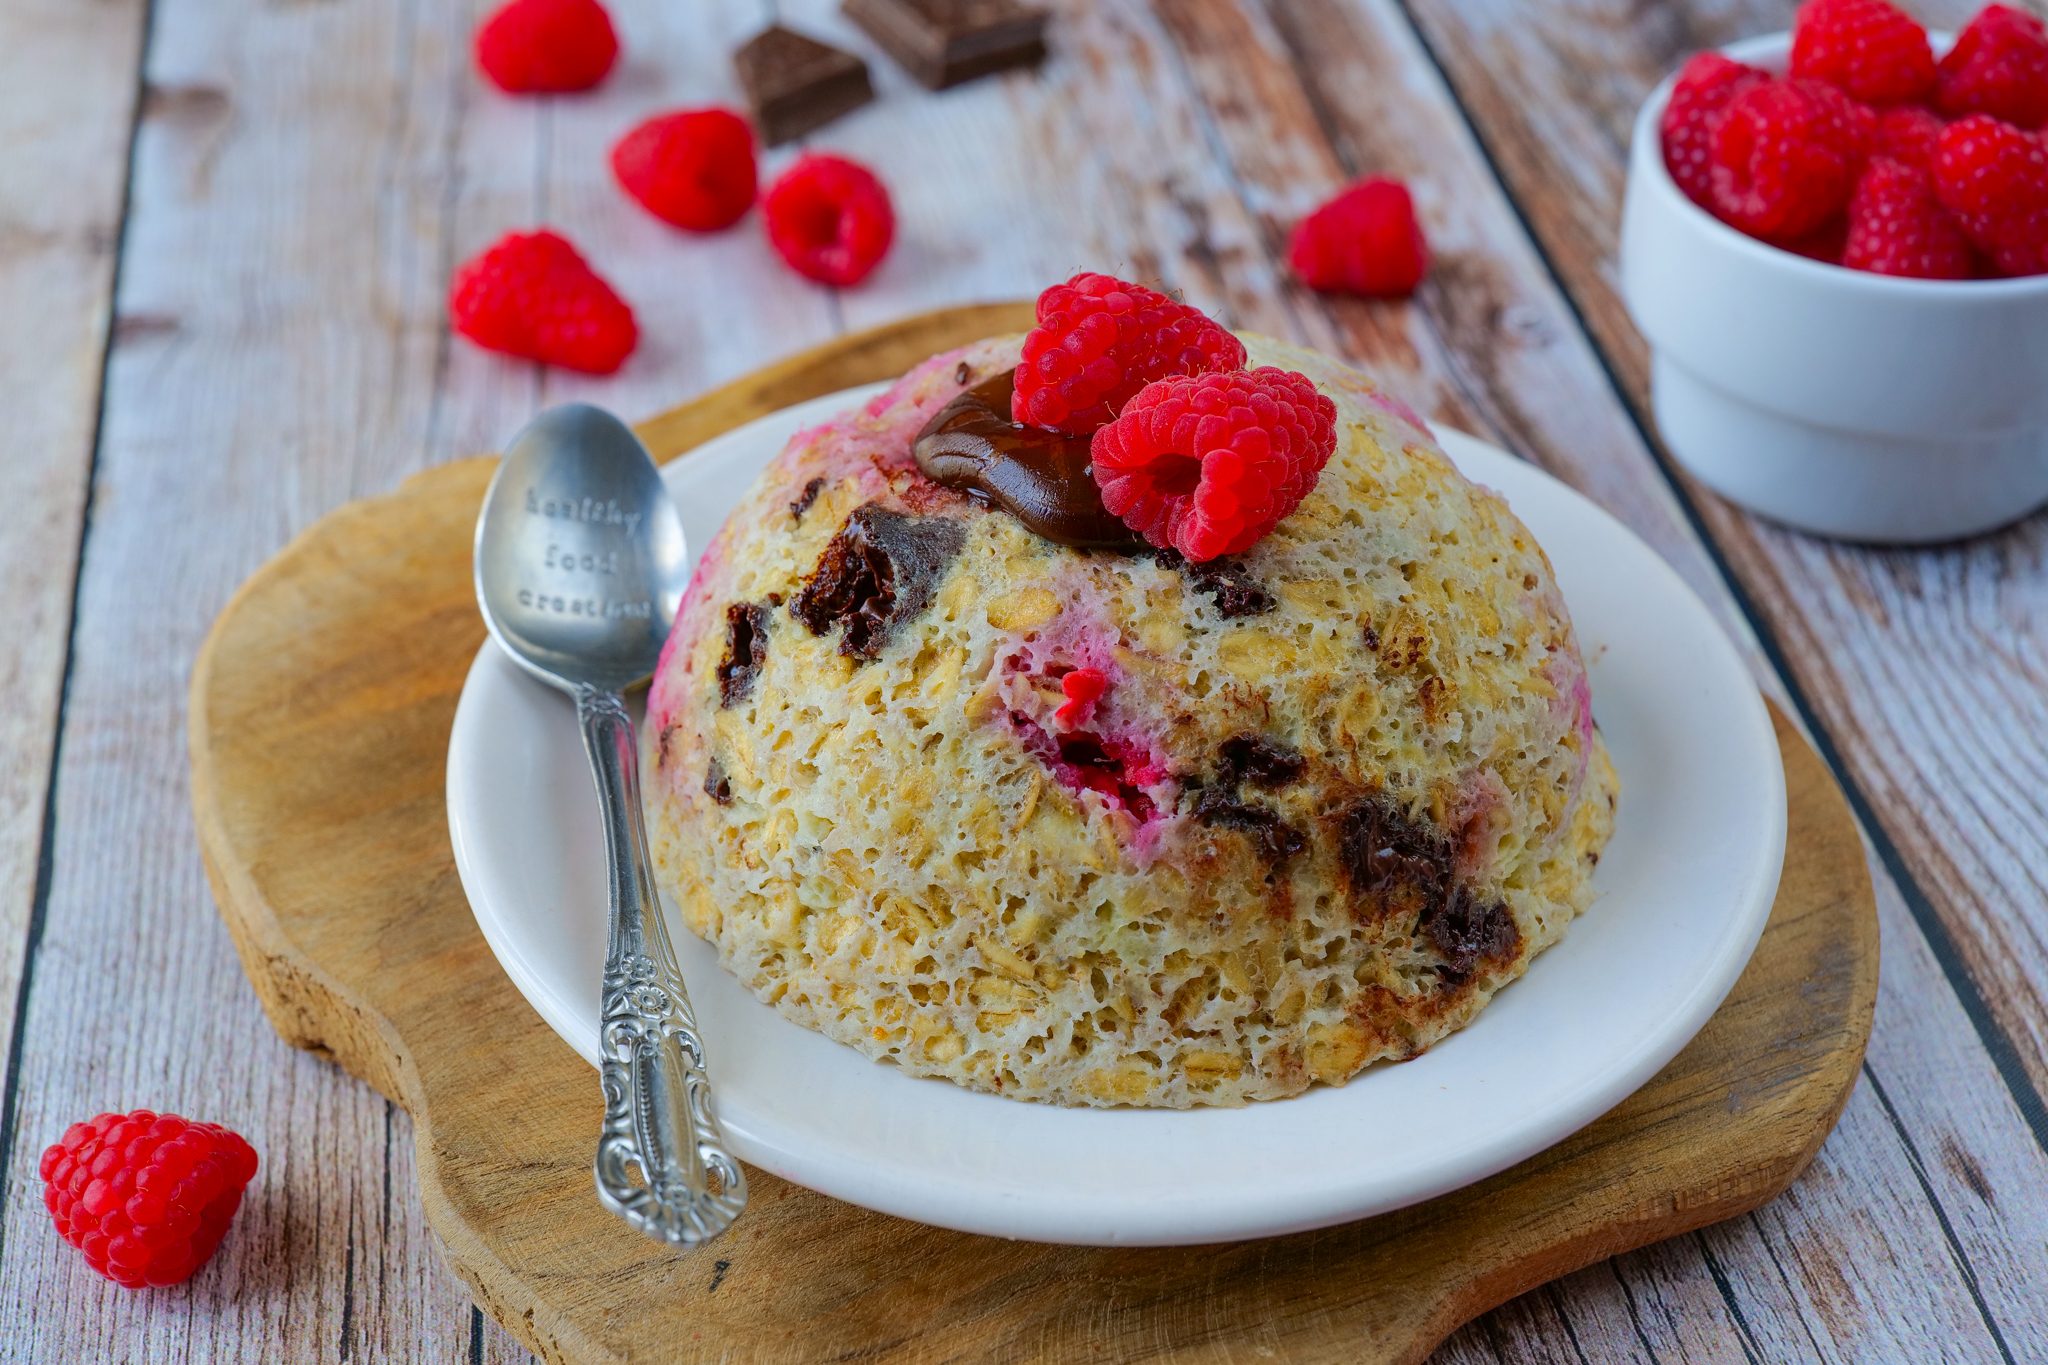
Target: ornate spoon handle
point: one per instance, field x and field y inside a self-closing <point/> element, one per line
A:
<point x="658" y="1119"/>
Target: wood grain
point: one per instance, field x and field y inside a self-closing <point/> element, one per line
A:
<point x="60" y="229"/>
<point x="323" y="698"/>
<point x="306" y="176"/>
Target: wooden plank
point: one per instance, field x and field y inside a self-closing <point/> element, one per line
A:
<point x="279" y="305"/>
<point x="60" y="228"/>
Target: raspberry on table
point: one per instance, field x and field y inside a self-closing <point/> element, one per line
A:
<point x="1366" y="241"/>
<point x="830" y="219"/>
<point x="531" y="295"/>
<point x="1907" y="133"/>
<point x="146" y="1196"/>
<point x="1700" y="95"/>
<point x="1098" y="341"/>
<point x="547" y="46"/>
<point x="1207" y="464"/>
<point x="1998" y="66"/>
<point x="1994" y="178"/>
<point x="693" y="168"/>
<point x="1869" y="49"/>
<point x="1786" y="156"/>
<point x="1897" y="226"/>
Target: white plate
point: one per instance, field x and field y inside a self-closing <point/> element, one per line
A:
<point x="1685" y="888"/>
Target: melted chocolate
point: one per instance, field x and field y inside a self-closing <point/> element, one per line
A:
<point x="1259" y="761"/>
<point x="1465" y="933"/>
<point x="880" y="570"/>
<point x="1397" y="864"/>
<point x="1275" y="840"/>
<point x="1039" y="477"/>
<point x="746" y="649"/>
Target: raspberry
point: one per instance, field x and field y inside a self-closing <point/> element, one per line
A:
<point x="547" y="46"/>
<point x="1825" y="245"/>
<point x="1906" y="133"/>
<point x="1786" y="156"/>
<point x="1898" y="227"/>
<point x="1864" y="47"/>
<point x="1699" y="96"/>
<point x="830" y="219"/>
<point x="1994" y="179"/>
<point x="147" y="1197"/>
<point x="1208" y="464"/>
<point x="1082" y="687"/>
<point x="1098" y="341"/>
<point x="529" y="294"/>
<point x="693" y="168"/>
<point x="1999" y="66"/>
<point x="1364" y="241"/>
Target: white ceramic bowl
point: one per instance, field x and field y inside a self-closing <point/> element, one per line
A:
<point x="1838" y="401"/>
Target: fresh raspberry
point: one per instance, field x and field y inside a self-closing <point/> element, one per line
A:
<point x="1786" y="156"/>
<point x="1208" y="464"/>
<point x="529" y="294"/>
<point x="1994" y="179"/>
<point x="1898" y="227"/>
<point x="1867" y="48"/>
<point x="1824" y="244"/>
<point x="547" y="46"/>
<point x="1364" y="241"/>
<point x="693" y="168"/>
<point x="147" y="1197"/>
<point x="1907" y="133"/>
<point x="1082" y="687"/>
<point x="830" y="218"/>
<point x="1705" y="85"/>
<point x="1999" y="66"/>
<point x="1098" y="341"/>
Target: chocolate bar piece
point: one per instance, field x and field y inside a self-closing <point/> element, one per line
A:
<point x="796" y="83"/>
<point x="945" y="42"/>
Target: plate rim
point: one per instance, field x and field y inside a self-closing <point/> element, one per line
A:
<point x="962" y="1204"/>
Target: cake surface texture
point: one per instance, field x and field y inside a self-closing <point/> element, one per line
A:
<point x="1102" y="828"/>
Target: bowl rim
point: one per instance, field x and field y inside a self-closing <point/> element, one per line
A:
<point x="1647" y="160"/>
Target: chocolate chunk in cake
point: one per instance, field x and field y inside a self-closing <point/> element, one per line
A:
<point x="802" y="502"/>
<point x="945" y="42"/>
<point x="1226" y="581"/>
<point x="1260" y="761"/>
<point x="1465" y="933"/>
<point x="880" y="570"/>
<point x="794" y="83"/>
<point x="1275" y="840"/>
<point x="1399" y="865"/>
<point x="746" y="649"/>
<point x="716" y="784"/>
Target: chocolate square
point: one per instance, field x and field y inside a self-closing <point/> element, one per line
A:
<point x="945" y="42"/>
<point x="795" y="83"/>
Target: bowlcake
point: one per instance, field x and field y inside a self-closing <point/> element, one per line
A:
<point x="1323" y="799"/>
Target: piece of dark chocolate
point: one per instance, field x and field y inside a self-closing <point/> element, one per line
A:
<point x="946" y="42"/>
<point x="795" y="83"/>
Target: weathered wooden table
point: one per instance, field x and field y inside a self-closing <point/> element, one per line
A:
<point x="225" y="235"/>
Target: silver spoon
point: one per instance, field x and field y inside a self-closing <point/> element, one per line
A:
<point x="579" y="571"/>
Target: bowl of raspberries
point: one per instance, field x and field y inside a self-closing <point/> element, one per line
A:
<point x="1835" y="241"/>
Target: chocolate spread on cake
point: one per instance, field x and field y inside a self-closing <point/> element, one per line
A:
<point x="880" y="570"/>
<point x="1039" y="477"/>
<point x="746" y="649"/>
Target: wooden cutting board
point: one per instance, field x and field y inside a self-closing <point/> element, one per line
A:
<point x="320" y="711"/>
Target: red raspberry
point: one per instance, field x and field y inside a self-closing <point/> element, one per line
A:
<point x="1705" y="85"/>
<point x="1098" y="341"/>
<point x="1824" y="245"/>
<point x="1786" y="156"/>
<point x="1994" y="179"/>
<point x="547" y="46"/>
<point x="1898" y="227"/>
<point x="1865" y="47"/>
<point x="147" y="1197"/>
<point x="1906" y="133"/>
<point x="693" y="168"/>
<point x="1207" y="464"/>
<point x="1999" y="66"/>
<point x="830" y="219"/>
<point x="1364" y="241"/>
<point x="529" y="294"/>
<point x="1082" y="687"/>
